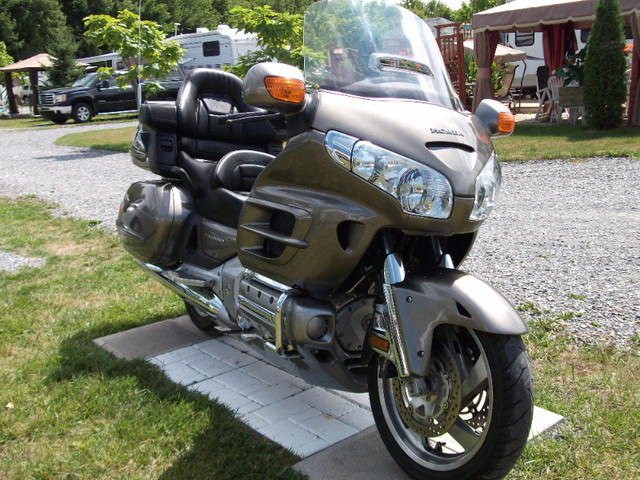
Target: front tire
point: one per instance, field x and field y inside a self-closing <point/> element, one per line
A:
<point x="202" y="320"/>
<point x="470" y="418"/>
<point x="81" y="113"/>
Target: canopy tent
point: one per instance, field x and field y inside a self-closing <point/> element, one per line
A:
<point x="535" y="15"/>
<point x="557" y="19"/>
<point x="33" y="65"/>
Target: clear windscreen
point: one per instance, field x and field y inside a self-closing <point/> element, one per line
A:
<point x="374" y="49"/>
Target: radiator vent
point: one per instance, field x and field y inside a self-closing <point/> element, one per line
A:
<point x="283" y="223"/>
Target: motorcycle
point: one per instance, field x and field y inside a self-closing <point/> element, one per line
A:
<point x="323" y="219"/>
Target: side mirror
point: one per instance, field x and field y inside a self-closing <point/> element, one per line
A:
<point x="498" y="119"/>
<point x="274" y="86"/>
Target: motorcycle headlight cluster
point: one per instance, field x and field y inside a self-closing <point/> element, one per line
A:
<point x="421" y="190"/>
<point x="487" y="188"/>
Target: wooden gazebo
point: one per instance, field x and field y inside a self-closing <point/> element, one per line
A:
<point x="33" y="65"/>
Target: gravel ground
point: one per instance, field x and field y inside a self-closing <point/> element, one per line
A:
<point x="563" y="236"/>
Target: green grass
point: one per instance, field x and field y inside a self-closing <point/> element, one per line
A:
<point x="69" y="409"/>
<point x="596" y="389"/>
<point x="118" y="139"/>
<point x="535" y="142"/>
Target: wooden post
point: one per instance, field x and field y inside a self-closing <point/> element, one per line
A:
<point x="33" y="79"/>
<point x="13" y="104"/>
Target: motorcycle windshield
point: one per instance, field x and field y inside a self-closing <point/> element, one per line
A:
<point x="374" y="49"/>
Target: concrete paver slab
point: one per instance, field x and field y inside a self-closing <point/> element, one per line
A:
<point x="332" y="430"/>
<point x="152" y="340"/>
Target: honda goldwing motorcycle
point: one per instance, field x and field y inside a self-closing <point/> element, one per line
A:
<point x="338" y="254"/>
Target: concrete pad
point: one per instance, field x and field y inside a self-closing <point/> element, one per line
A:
<point x="152" y="340"/>
<point x="333" y="430"/>
<point x="364" y="457"/>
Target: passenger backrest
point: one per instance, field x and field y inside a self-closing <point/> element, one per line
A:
<point x="204" y="98"/>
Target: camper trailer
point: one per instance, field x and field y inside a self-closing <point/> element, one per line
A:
<point x="110" y="60"/>
<point x="213" y="49"/>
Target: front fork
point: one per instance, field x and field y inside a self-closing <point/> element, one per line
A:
<point x="386" y="336"/>
<point x="415" y="305"/>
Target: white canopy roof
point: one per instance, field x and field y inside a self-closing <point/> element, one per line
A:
<point x="534" y="15"/>
<point x="503" y="53"/>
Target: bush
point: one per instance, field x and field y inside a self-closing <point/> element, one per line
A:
<point x="604" y="66"/>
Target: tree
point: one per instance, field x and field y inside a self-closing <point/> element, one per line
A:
<point x="464" y="13"/>
<point x="279" y="37"/>
<point x="282" y="6"/>
<point x="5" y="58"/>
<point x="190" y="14"/>
<point x="158" y="56"/>
<point x="64" y="70"/>
<point x="604" y="89"/>
<point x="33" y="26"/>
<point x="432" y="9"/>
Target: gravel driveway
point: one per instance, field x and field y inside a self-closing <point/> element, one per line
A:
<point x="564" y="236"/>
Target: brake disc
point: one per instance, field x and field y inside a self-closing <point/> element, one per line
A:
<point x="475" y="413"/>
<point x="430" y="406"/>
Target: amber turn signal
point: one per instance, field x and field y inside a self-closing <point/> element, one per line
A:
<point x="286" y="89"/>
<point x="506" y="122"/>
<point x="379" y="343"/>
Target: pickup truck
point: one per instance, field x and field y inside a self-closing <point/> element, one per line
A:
<point x="86" y="97"/>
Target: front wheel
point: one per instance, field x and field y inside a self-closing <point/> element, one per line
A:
<point x="470" y="418"/>
<point x="81" y="113"/>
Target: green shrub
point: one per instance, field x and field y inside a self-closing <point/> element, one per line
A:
<point x="604" y="66"/>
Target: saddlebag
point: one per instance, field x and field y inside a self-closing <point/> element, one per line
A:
<point x="151" y="220"/>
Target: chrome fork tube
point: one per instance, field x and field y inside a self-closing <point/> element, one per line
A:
<point x="394" y="273"/>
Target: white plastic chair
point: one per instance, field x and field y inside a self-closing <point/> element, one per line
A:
<point x="555" y="112"/>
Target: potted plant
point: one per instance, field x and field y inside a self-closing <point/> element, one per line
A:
<point x="572" y="70"/>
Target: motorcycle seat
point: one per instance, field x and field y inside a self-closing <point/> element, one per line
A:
<point x="230" y="183"/>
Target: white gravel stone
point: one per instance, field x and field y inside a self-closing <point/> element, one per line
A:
<point x="10" y="262"/>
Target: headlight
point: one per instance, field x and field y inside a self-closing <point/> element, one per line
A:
<point x="487" y="188"/>
<point x="61" y="98"/>
<point x="420" y="190"/>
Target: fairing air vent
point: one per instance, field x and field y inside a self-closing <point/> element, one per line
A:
<point x="271" y="231"/>
<point x="435" y="146"/>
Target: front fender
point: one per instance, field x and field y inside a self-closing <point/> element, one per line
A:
<point x="446" y="296"/>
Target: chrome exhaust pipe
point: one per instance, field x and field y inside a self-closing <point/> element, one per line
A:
<point x="168" y="279"/>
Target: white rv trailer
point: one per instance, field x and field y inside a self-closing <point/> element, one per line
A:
<point x="213" y="49"/>
<point x="112" y="60"/>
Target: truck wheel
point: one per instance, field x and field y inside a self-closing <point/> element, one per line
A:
<point x="81" y="113"/>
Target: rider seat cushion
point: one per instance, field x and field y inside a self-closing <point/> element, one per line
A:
<point x="230" y="182"/>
